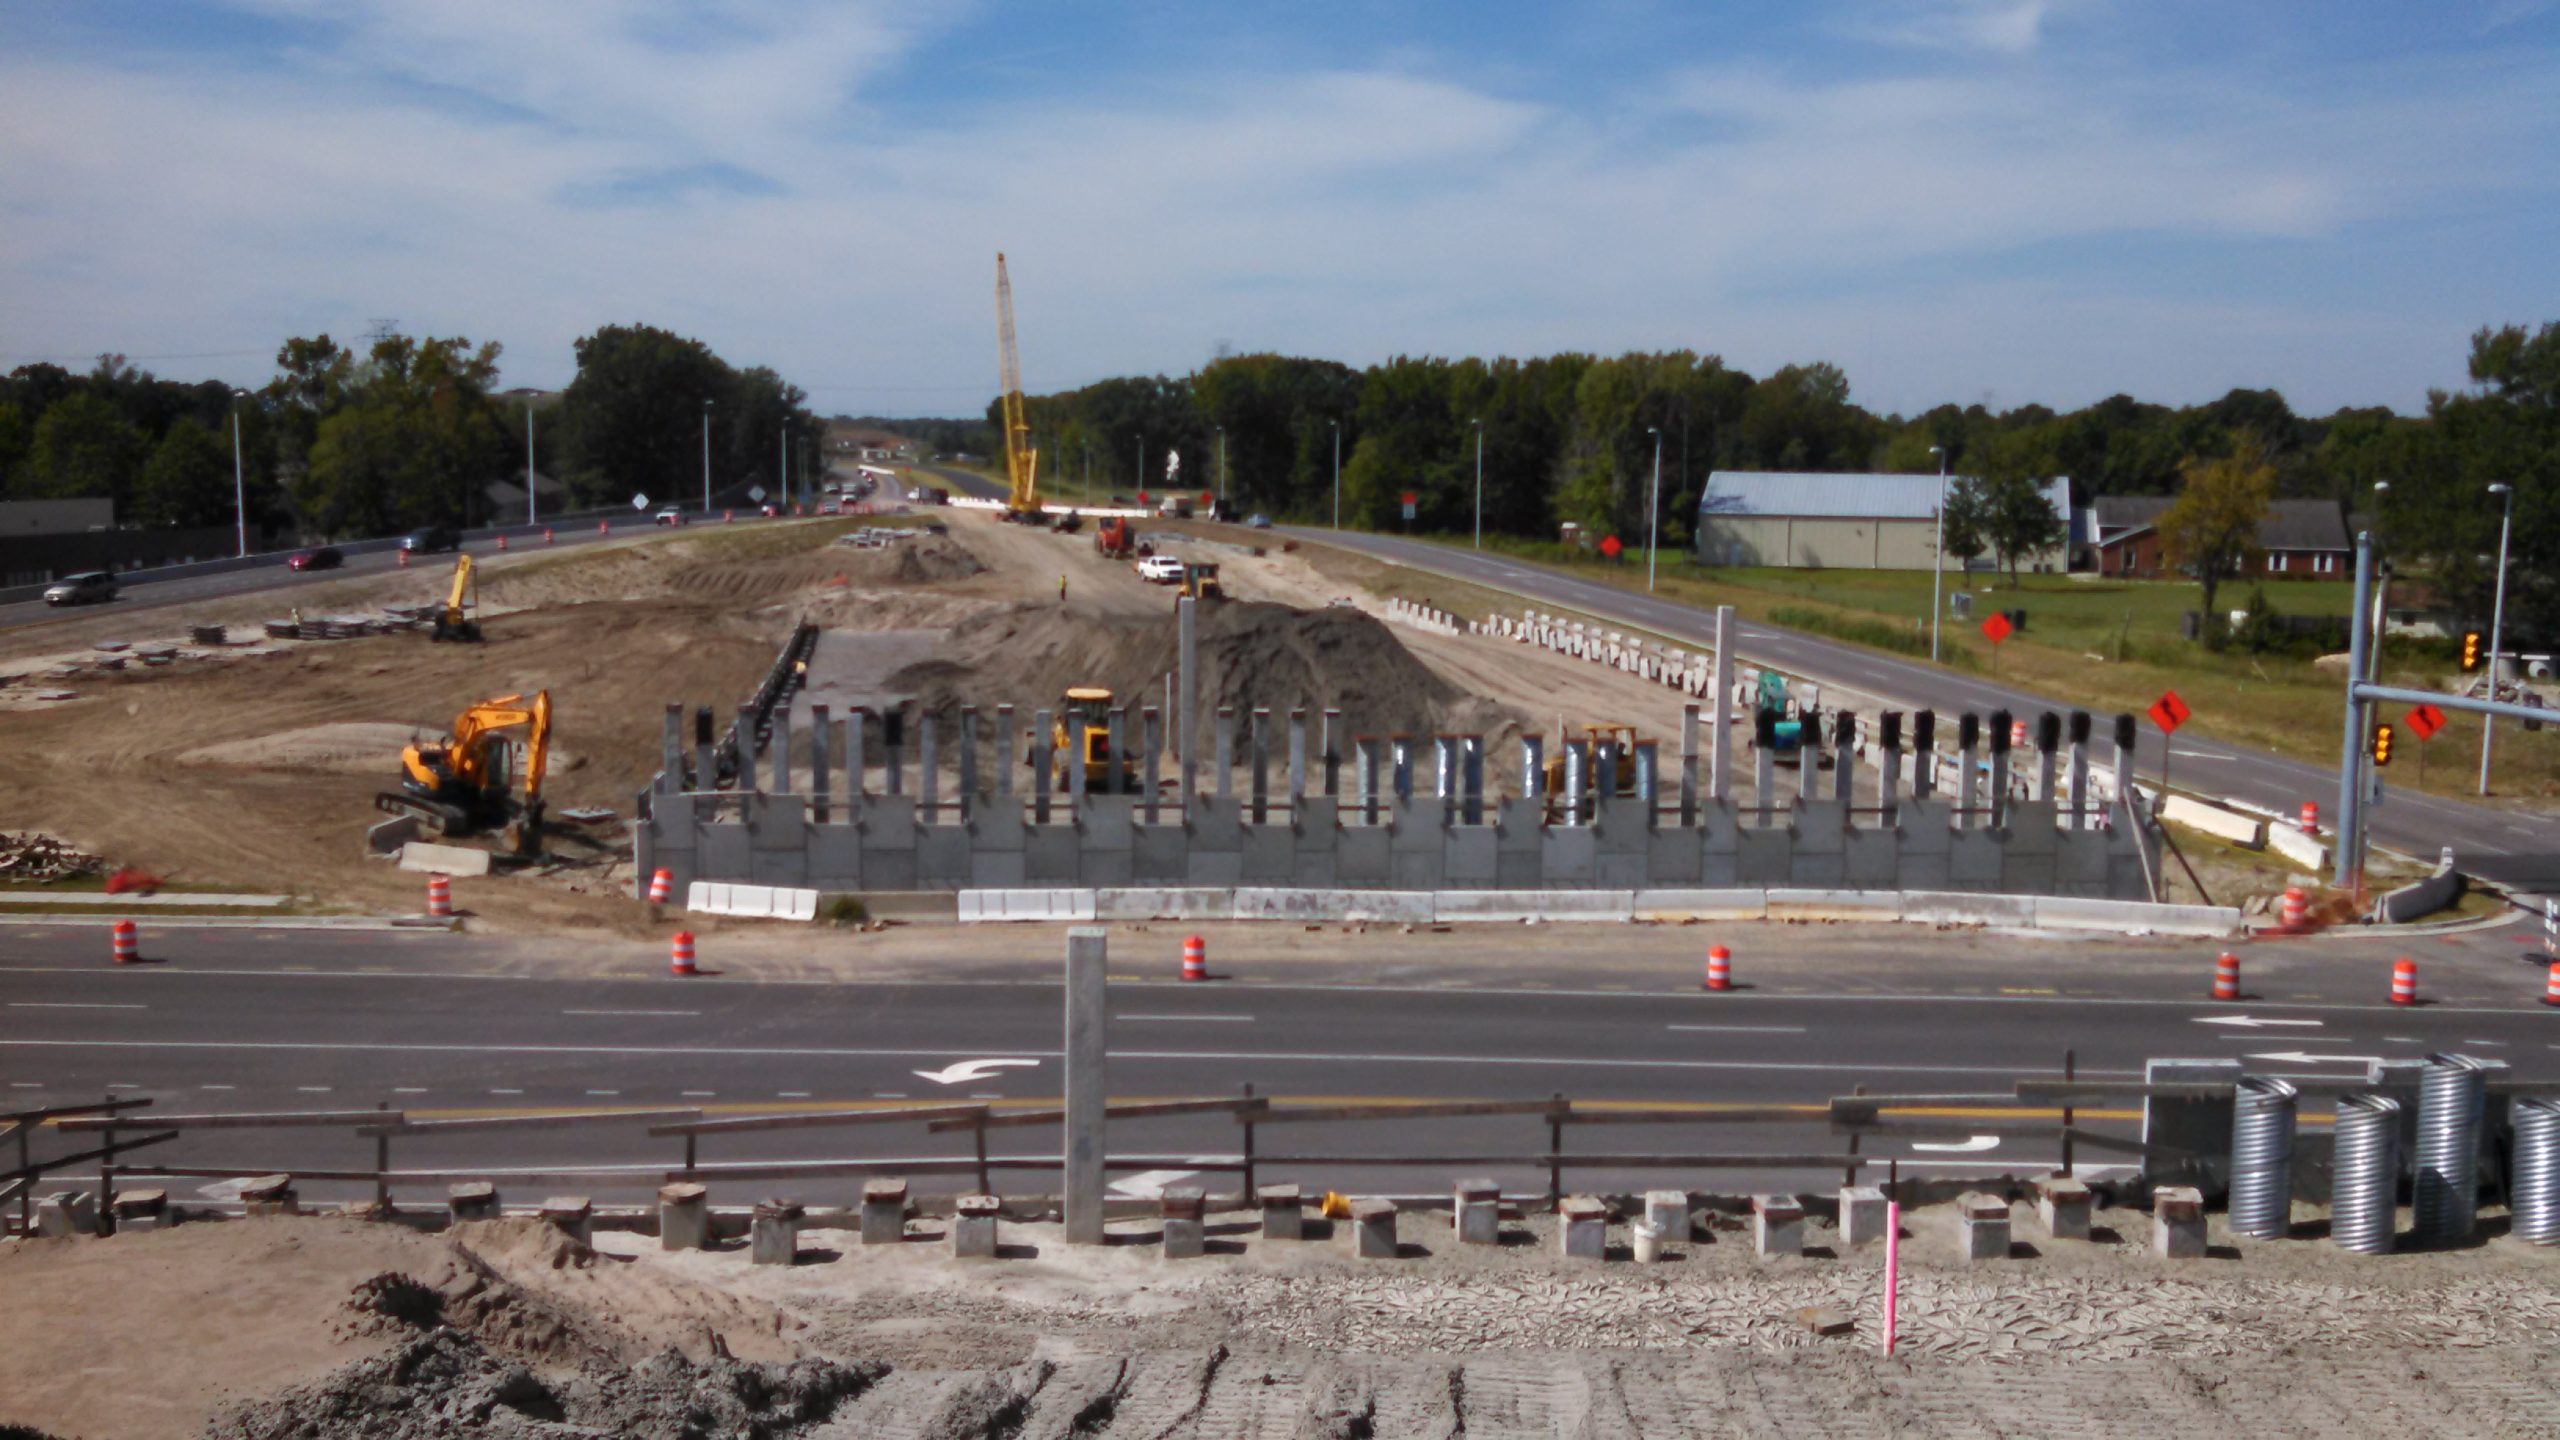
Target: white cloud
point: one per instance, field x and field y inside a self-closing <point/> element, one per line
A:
<point x="1999" y="27"/>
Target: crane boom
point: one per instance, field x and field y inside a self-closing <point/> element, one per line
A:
<point x="1021" y="462"/>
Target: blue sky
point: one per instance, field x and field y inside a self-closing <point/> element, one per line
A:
<point x="1971" y="200"/>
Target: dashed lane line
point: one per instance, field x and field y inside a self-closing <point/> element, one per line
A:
<point x="71" y="1005"/>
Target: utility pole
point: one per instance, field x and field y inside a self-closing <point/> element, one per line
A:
<point x="1337" y="473"/>
<point x="1222" y="467"/>
<point x="528" y="461"/>
<point x="1938" y="557"/>
<point x="706" y="459"/>
<point x="239" y="477"/>
<point x="785" y="440"/>
<point x="2497" y="624"/>
<point x="1653" y="520"/>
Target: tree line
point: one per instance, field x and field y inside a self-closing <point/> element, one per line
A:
<point x="1578" y="438"/>
<point x="407" y="431"/>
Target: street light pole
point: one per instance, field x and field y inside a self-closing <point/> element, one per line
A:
<point x="706" y="459"/>
<point x="1222" y="467"/>
<point x="1479" y="424"/>
<point x="785" y="439"/>
<point x="528" y="462"/>
<point x="1653" y="510"/>
<point x="239" y="478"/>
<point x="1938" y="557"/>
<point x="2497" y="624"/>
<point x="1337" y="473"/>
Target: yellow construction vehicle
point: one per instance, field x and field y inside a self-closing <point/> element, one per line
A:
<point x="484" y="776"/>
<point x="454" y="621"/>
<point x="1622" y="737"/>
<point x="1021" y="462"/>
<point x="1092" y="705"/>
<point x="1200" y="581"/>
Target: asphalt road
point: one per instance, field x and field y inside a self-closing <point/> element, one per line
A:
<point x="2412" y="823"/>
<point x="441" y="1026"/>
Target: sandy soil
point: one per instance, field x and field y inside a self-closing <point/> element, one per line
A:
<point x="1288" y="1339"/>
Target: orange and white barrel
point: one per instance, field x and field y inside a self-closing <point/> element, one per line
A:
<point x="2551" y="988"/>
<point x="2226" y="976"/>
<point x="125" y="938"/>
<point x="2297" y="908"/>
<point x="502" y="542"/>
<point x="2404" y="981"/>
<point x="662" y="886"/>
<point x="2017" y="734"/>
<point x="403" y="557"/>
<point x="1719" y="968"/>
<point x="680" y="954"/>
<point x="546" y="534"/>
<point x="2310" y="817"/>
<point x="440" y="896"/>
<point x="1195" y="958"/>
<point x="603" y="527"/>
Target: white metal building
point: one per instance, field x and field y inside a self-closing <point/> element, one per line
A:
<point x="1838" y="521"/>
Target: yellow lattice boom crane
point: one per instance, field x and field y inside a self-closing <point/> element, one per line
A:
<point x="1021" y="462"/>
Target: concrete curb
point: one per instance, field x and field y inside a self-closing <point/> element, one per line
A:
<point x="240" y="922"/>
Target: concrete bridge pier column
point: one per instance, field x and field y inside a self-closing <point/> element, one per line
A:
<point x="928" y="767"/>
<point x="1007" y="737"/>
<point x="1226" y="751"/>
<point x="821" y="730"/>
<point x="1043" y="739"/>
<point x="1689" y="765"/>
<point x="1297" y="759"/>
<point x="1258" y="743"/>
<point x="1844" y="756"/>
<point x="1150" y="750"/>
<point x="671" y="750"/>
<point x="856" y="777"/>
<point x="1720" y="721"/>
<point x="2079" y="772"/>
<point x="968" y="763"/>
<point x="2000" y="735"/>
<point x="1471" y="777"/>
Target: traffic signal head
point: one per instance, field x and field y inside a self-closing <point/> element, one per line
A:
<point x="2381" y="745"/>
<point x="2470" y="651"/>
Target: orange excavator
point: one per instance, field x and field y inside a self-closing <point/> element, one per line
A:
<point x="483" y="777"/>
<point x="1115" y="538"/>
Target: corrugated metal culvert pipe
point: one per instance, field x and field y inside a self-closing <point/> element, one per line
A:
<point x="2535" y="1170"/>
<point x="2450" y="1096"/>
<point x="2364" y="1185"/>
<point x="2262" y="1158"/>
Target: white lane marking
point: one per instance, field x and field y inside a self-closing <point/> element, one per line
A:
<point x="26" y="1084"/>
<point x="791" y="1094"/>
<point x="698" y="1094"/>
<point x="968" y="1071"/>
<point x="1149" y="1184"/>
<point x="1986" y="1067"/>
<point x="313" y="1089"/>
<point x="604" y="1092"/>
<point x="2247" y="1021"/>
<point x="2493" y="1044"/>
<point x="70" y="1005"/>
<point x="217" y="1087"/>
<point x="408" y="1089"/>
<point x="1959" y="1147"/>
<point x="1228" y="1019"/>
<point x="630" y="1012"/>
<point x="901" y="1094"/>
<point x="506" y="1092"/>
<point x="2299" y="1057"/>
<point x="1738" y="1029"/>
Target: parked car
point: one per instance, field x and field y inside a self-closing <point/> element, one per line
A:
<point x="428" y="539"/>
<point x="670" y="515"/>
<point x="1160" y="570"/>
<point x="321" y="557"/>
<point x="1257" y="522"/>
<point x="91" y="588"/>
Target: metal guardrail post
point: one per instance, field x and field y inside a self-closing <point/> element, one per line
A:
<point x="978" y="1135"/>
<point x="1246" y="1153"/>
<point x="382" y="1163"/>
<point x="1555" y="1155"/>
<point x="2070" y="1071"/>
<point x="1849" y="1173"/>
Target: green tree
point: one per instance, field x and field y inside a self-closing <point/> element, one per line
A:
<point x="83" y="447"/>
<point x="187" y="480"/>
<point x="2009" y="467"/>
<point x="414" y="442"/>
<point x="16" y="436"/>
<point x="2212" y="527"/>
<point x="632" y="419"/>
<point x="1968" y="519"/>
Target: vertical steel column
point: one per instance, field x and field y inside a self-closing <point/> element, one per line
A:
<point x="1364" y="776"/>
<point x="1924" y="754"/>
<point x="1689" y="765"/>
<point x="1006" y="738"/>
<point x="1720" y="719"/>
<point x="1077" y="780"/>
<point x="1844" y="757"/>
<point x="2000" y="734"/>
<point x="745" y="729"/>
<point x="1533" y="771"/>
<point x="670" y="755"/>
<point x="1088" y="1085"/>
<point x="1226" y="751"/>
<point x="1116" y="754"/>
<point x="1400" y="751"/>
<point x="2350" y="860"/>
<point x="1150" y="747"/>
<point x="1186" y="713"/>
<point x="706" y="763"/>
<point x="857" y="777"/>
<point x="1297" y="760"/>
<point x="2079" y="772"/>
<point x="1889" y="767"/>
<point x="1764" y="761"/>
<point x="928" y="766"/>
<point x="1577" y="767"/>
<point x="1471" y="777"/>
<point x="2048" y="741"/>
<point x="1648" y="779"/>
<point x="968" y="763"/>
<point x="1258" y="743"/>
<point x="893" y="745"/>
<point x="1043" y="741"/>
<point x="1968" y="774"/>
<point x="821" y="729"/>
<point x="1332" y="757"/>
<point x="782" y="749"/>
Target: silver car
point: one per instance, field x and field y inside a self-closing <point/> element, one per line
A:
<point x="94" y="587"/>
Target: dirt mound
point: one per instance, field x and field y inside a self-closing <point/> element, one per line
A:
<point x="1251" y="654"/>
<point x="445" y="1383"/>
<point x="343" y="747"/>
<point x="461" y="1290"/>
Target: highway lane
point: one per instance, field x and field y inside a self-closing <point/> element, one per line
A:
<point x="461" y="1043"/>
<point x="2413" y="823"/>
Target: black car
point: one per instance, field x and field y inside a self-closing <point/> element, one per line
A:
<point x="324" y="557"/>
<point x="427" y="540"/>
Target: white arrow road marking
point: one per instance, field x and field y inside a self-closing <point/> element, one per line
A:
<point x="222" y="1189"/>
<point x="1978" y="1142"/>
<point x="2297" y="1057"/>
<point x="969" y="1071"/>
<point x="2249" y="1022"/>
<point x="1150" y="1184"/>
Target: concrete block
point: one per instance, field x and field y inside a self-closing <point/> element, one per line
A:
<point x="1316" y="815"/>
<point x="1361" y="860"/>
<point x="1373" y="1229"/>
<point x="1734" y="904"/>
<point x="2177" y="1222"/>
<point x="684" y="1216"/>
<point x="1949" y="907"/>
<point x="1926" y="825"/>
<point x="1284" y="1212"/>
<point x="1387" y="907"/>
<point x="431" y="858"/>
<point x="571" y="1215"/>
<point x="777" y="823"/>
<point x="2200" y="1127"/>
<point x="2135" y="917"/>
<point x="1476" y="1212"/>
<point x="1159" y="855"/>
<point x="1982" y="1228"/>
<point x="1517" y="823"/>
<point x="1673" y="856"/>
<point x="835" y="859"/>
<point x="1582" y="1228"/>
<point x="2030" y="828"/>
<point x="1862" y="1214"/>
<point x="1975" y="860"/>
<point x="774" y="1232"/>
<point x="887" y="822"/>
<point x="1821" y="827"/>
<point x="1215" y="869"/>
<point x="720" y="851"/>
<point x="1667" y="1211"/>
<point x="471" y="1200"/>
<point x="141" y="1210"/>
<point x="2026" y="874"/>
<point x="1415" y="870"/>
<point x="1777" y="1226"/>
<point x="1872" y="860"/>
<point x="1518" y="870"/>
<point x="1270" y="856"/>
<point x="942" y="857"/>
<point x="2246" y="831"/>
<point x="66" y="1212"/>
<point x="1923" y="872"/>
<point x="884" y="1211"/>
<point x="973" y="1227"/>
<point x="1470" y="859"/>
<point x="1764" y="858"/>
<point x="2080" y="863"/>
<point x="2306" y="852"/>
<point x="1051" y="855"/>
<point x="1620" y="825"/>
<point x="998" y="870"/>
<point x="1108" y="822"/>
<point x="1817" y="872"/>
<point x="270" y="1195"/>
<point x="1620" y="871"/>
<point x="1417" y="823"/>
<point x="2062" y="1204"/>
<point x="1184" y="1235"/>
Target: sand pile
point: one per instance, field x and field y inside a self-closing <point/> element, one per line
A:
<point x="1251" y="654"/>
